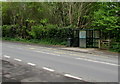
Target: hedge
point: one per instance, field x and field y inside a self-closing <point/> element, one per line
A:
<point x="37" y="32"/>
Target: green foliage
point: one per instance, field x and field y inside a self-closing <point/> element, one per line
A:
<point x="106" y="16"/>
<point x="115" y="46"/>
<point x="50" y="31"/>
<point x="5" y="30"/>
<point x="107" y="19"/>
<point x="9" y="30"/>
<point x="30" y="21"/>
<point x="50" y="34"/>
<point x="44" y="21"/>
<point x="60" y="13"/>
<point x="46" y="41"/>
<point x="55" y="21"/>
<point x="36" y="31"/>
<point x="14" y="31"/>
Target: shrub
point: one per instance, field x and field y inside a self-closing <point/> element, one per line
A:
<point x="36" y="31"/>
<point x="115" y="46"/>
<point x="9" y="30"/>
<point x="50" y="33"/>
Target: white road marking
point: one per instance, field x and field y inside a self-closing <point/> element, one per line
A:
<point x="40" y="51"/>
<point x="98" y="61"/>
<point x="31" y="48"/>
<point x="48" y="69"/>
<point x="47" y="53"/>
<point x="71" y="76"/>
<point x="17" y="59"/>
<point x="83" y="59"/>
<point x="52" y="54"/>
<point x="6" y="56"/>
<point x="58" y="55"/>
<point x="74" y="54"/>
<point x="31" y="64"/>
<point x="37" y="51"/>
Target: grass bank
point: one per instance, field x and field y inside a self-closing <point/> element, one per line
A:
<point x="47" y="41"/>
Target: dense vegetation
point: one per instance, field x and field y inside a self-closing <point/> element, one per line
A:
<point x="34" y="20"/>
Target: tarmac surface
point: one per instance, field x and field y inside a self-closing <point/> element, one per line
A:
<point x="92" y="67"/>
<point x="22" y="73"/>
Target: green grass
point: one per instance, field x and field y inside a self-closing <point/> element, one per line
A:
<point x="47" y="41"/>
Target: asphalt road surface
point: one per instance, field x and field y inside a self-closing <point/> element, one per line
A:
<point x="68" y="63"/>
<point x="21" y="73"/>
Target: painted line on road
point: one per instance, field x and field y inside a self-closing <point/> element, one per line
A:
<point x="31" y="64"/>
<point x="53" y="54"/>
<point x="37" y="51"/>
<point x="6" y="56"/>
<point x="48" y="69"/>
<point x="31" y="48"/>
<point x="98" y="61"/>
<point x="71" y="76"/>
<point x="40" y="51"/>
<point x="83" y="59"/>
<point x="47" y="53"/>
<point x="17" y="59"/>
<point x="58" y="55"/>
<point x="74" y="54"/>
<point x="58" y="52"/>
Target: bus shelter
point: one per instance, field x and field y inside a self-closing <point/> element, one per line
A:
<point x="86" y="38"/>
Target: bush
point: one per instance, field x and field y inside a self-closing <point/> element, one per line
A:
<point x="36" y="31"/>
<point x="9" y="30"/>
<point x="50" y="31"/>
<point x="115" y="46"/>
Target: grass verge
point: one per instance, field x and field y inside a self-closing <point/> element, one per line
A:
<point x="48" y="41"/>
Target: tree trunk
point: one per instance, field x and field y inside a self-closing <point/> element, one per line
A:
<point x="70" y="14"/>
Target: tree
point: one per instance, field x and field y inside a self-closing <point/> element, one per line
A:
<point x="60" y="13"/>
<point x="107" y="18"/>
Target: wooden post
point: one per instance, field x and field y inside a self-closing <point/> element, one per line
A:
<point x="99" y="44"/>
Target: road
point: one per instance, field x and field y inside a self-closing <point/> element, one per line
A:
<point x="68" y="63"/>
<point x="14" y="71"/>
